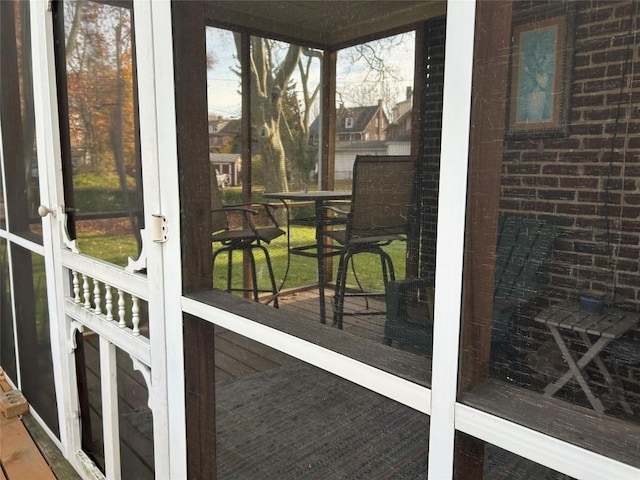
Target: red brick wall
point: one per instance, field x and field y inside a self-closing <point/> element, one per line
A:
<point x="428" y="168"/>
<point x="588" y="182"/>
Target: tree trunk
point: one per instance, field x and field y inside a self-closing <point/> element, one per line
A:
<point x="274" y="159"/>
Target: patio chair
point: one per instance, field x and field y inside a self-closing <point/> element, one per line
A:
<point x="245" y="228"/>
<point x="379" y="214"/>
<point x="523" y="246"/>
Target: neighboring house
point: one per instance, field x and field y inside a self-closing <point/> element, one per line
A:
<point x="361" y="124"/>
<point x="356" y="124"/>
<point x="401" y="120"/>
<point x="368" y="131"/>
<point x="402" y="107"/>
<point x="229" y="164"/>
<point x="359" y="131"/>
<point x="223" y="134"/>
<point x="399" y="131"/>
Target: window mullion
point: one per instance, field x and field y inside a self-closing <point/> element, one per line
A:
<point x="450" y="243"/>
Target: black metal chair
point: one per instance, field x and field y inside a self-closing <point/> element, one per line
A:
<point x="245" y="227"/>
<point x="380" y="206"/>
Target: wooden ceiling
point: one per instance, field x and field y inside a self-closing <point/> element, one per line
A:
<point x="322" y="23"/>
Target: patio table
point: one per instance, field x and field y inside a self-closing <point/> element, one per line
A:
<point x="605" y="327"/>
<point x="319" y="250"/>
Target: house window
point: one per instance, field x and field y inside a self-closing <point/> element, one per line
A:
<point x="348" y="122"/>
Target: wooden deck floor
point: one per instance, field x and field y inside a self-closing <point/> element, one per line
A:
<point x="362" y="338"/>
<point x="239" y="358"/>
<point x="26" y="452"/>
<point x="235" y="356"/>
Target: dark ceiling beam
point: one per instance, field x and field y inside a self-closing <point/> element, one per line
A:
<point x="327" y="25"/>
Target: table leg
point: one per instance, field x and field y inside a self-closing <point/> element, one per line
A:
<point x="617" y="392"/>
<point x="575" y="368"/>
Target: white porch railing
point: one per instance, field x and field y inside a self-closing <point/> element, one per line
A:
<point x="106" y="299"/>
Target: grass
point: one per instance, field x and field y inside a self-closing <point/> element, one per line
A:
<point x="110" y="248"/>
<point x="301" y="270"/>
<point x="102" y="193"/>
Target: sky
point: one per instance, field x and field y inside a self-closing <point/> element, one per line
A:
<point x="223" y="90"/>
<point x="223" y="85"/>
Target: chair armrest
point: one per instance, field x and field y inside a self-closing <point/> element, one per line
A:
<point x="341" y="216"/>
<point x="333" y="208"/>
<point x="234" y="208"/>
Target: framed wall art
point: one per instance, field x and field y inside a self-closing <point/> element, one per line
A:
<point x="539" y="92"/>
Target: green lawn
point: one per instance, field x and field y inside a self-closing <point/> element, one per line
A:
<point x="110" y="248"/>
<point x="302" y="270"/>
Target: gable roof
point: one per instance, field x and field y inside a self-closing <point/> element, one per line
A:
<point x="225" y="126"/>
<point x="361" y="116"/>
<point x="223" y="158"/>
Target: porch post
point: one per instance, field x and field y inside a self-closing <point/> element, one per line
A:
<point x="190" y="74"/>
<point x="490" y="71"/>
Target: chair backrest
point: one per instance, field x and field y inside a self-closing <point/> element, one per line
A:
<point x="381" y="195"/>
<point x="524" y="244"/>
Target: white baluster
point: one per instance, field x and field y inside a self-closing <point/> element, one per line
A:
<point x="76" y="287"/>
<point x="96" y="297"/>
<point x="108" y="302"/>
<point x="85" y="289"/>
<point x="135" y="315"/>
<point x="121" y="323"/>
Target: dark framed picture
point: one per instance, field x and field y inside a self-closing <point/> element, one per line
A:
<point x="540" y="69"/>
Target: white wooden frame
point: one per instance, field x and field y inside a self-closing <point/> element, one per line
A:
<point x="149" y="18"/>
<point x="154" y="44"/>
<point x="454" y="153"/>
<point x="47" y="139"/>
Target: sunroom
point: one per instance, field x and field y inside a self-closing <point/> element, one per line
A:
<point x="500" y="333"/>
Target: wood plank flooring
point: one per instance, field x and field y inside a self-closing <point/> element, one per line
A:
<point x="20" y="457"/>
<point x="237" y="357"/>
<point x="361" y="338"/>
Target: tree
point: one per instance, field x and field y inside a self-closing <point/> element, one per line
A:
<point x="99" y="67"/>
<point x="297" y="119"/>
<point x="379" y="79"/>
<point x="268" y="89"/>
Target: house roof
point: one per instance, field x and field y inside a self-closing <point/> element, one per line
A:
<point x="361" y="116"/>
<point x="226" y="127"/>
<point x="223" y="158"/>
